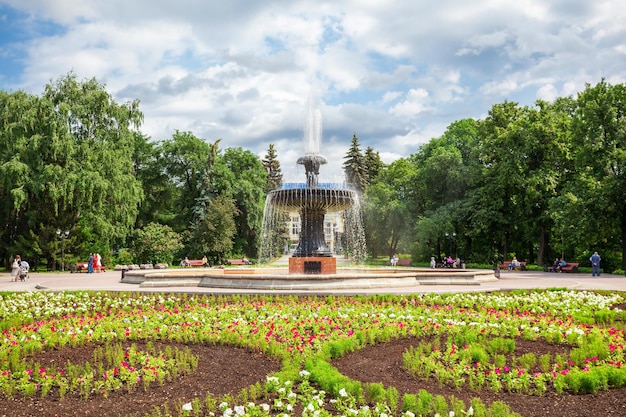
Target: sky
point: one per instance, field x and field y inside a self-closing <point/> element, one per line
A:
<point x="394" y="72"/>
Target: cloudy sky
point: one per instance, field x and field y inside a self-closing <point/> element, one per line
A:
<point x="394" y="72"/>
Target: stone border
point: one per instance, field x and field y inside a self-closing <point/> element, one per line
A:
<point x="279" y="279"/>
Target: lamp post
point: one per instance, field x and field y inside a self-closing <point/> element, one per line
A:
<point x="63" y="235"/>
<point x="450" y="236"/>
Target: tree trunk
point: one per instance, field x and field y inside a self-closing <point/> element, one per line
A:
<point x="542" y="243"/>
<point x="624" y="238"/>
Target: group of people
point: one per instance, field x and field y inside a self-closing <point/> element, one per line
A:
<point x="186" y="263"/>
<point x="19" y="269"/>
<point x="94" y="262"/>
<point x="448" y="262"/>
<point x="557" y="265"/>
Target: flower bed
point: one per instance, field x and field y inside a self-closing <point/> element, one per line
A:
<point x="64" y="348"/>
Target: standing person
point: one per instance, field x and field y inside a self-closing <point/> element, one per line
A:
<point x="97" y="260"/>
<point x="433" y="264"/>
<point x="90" y="263"/>
<point x="595" y="264"/>
<point x="15" y="268"/>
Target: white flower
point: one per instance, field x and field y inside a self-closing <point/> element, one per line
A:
<point x="343" y="393"/>
<point x="470" y="411"/>
<point x="265" y="407"/>
<point x="187" y="407"/>
<point x="409" y="414"/>
<point x="304" y="373"/>
<point x="240" y="410"/>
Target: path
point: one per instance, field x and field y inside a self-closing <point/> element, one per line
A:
<point x="110" y="281"/>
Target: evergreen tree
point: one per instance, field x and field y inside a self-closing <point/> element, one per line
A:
<point x="373" y="164"/>
<point x="272" y="166"/>
<point x="354" y="167"/>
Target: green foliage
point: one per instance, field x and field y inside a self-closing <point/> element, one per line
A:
<point x="272" y="167"/>
<point x="67" y="165"/>
<point x="212" y="235"/>
<point x="354" y="167"/>
<point x="156" y="243"/>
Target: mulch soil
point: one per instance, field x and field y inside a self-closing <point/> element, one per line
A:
<point x="227" y="370"/>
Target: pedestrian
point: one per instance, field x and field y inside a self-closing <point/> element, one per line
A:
<point x="97" y="262"/>
<point x="90" y="263"/>
<point x="15" y="268"/>
<point x="595" y="264"/>
<point x="432" y="262"/>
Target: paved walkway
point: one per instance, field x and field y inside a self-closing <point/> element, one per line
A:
<point x="110" y="281"/>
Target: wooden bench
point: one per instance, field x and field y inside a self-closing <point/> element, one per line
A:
<point x="195" y="262"/>
<point x="84" y="267"/>
<point x="505" y="265"/>
<point x="570" y="267"/>
<point x="404" y="262"/>
<point x="238" y="262"/>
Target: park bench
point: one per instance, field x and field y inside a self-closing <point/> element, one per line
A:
<point x="83" y="267"/>
<point x="196" y="262"/>
<point x="238" y="262"/>
<point x="404" y="262"/>
<point x="521" y="267"/>
<point x="570" y="267"/>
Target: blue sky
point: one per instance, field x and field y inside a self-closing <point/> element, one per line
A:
<point x="395" y="73"/>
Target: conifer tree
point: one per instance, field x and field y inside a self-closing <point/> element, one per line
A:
<point x="354" y="167"/>
<point x="373" y="164"/>
<point x="272" y="166"/>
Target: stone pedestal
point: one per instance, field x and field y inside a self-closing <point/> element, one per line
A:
<point x="313" y="265"/>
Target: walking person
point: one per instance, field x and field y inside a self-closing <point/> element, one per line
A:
<point x="595" y="264"/>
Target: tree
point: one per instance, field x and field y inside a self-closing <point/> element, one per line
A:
<point x="244" y="178"/>
<point x="354" y="167"/>
<point x="67" y="165"/>
<point x="160" y="193"/>
<point x="272" y="167"/>
<point x="446" y="166"/>
<point x="373" y="164"/>
<point x="184" y="159"/>
<point x="213" y="226"/>
<point x="546" y="129"/>
<point x="157" y="243"/>
<point x="213" y="234"/>
<point x="596" y="194"/>
<point x="275" y="234"/>
<point x="389" y="208"/>
<point x="497" y="198"/>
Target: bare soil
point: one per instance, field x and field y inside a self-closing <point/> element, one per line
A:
<point x="227" y="370"/>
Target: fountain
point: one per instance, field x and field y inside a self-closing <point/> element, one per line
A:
<point x="312" y="254"/>
<point x="312" y="266"/>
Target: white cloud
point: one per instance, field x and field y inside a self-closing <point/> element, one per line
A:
<point x="415" y="102"/>
<point x="394" y="72"/>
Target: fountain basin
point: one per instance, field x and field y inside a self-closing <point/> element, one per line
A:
<point x="316" y="199"/>
<point x="259" y="279"/>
